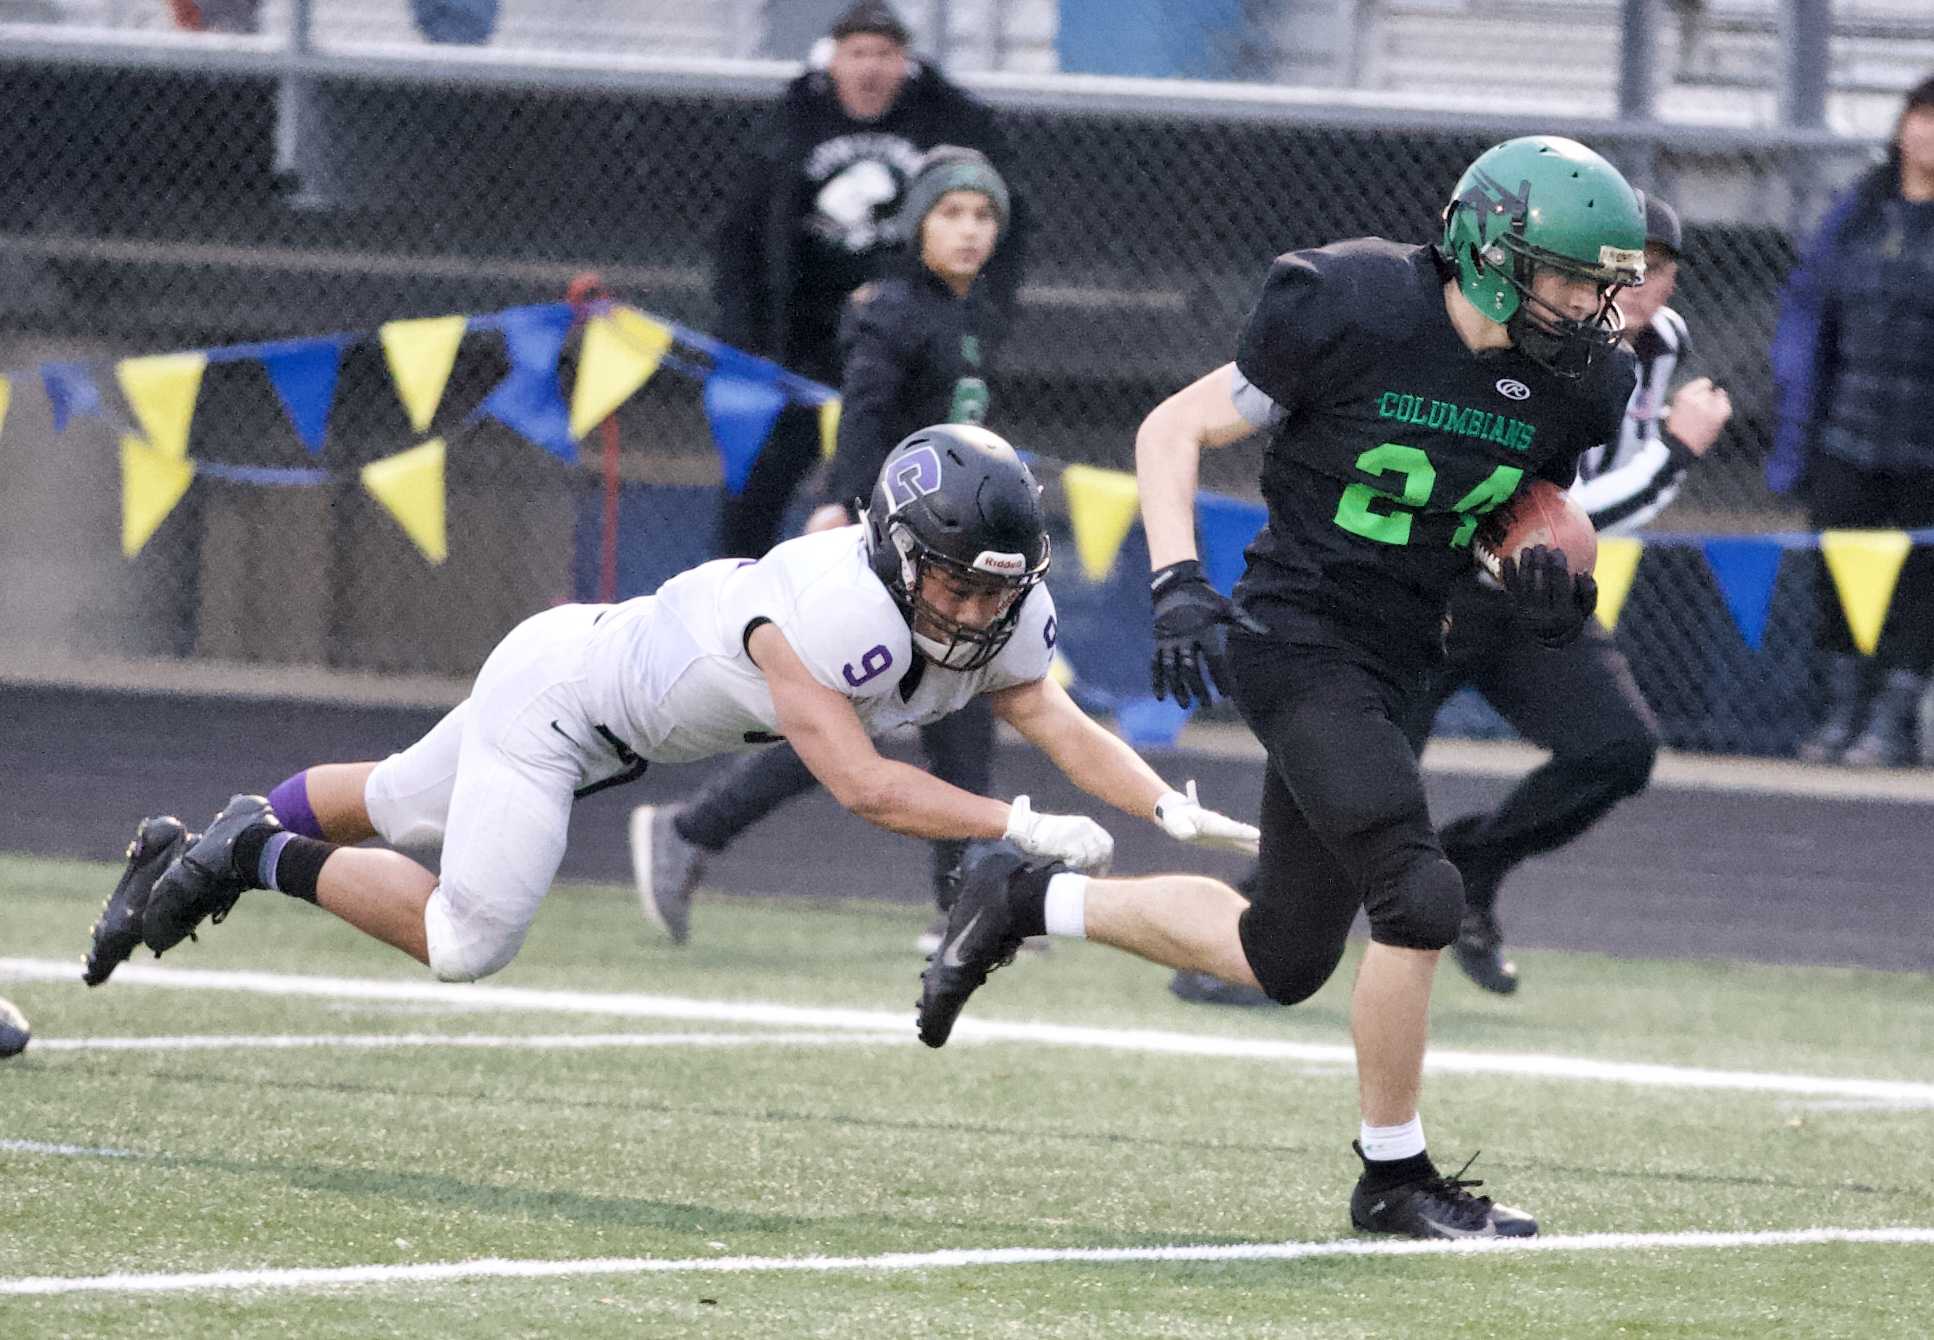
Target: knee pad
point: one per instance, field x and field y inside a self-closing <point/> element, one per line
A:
<point x="1289" y="967"/>
<point x="465" y="948"/>
<point x="1421" y="906"/>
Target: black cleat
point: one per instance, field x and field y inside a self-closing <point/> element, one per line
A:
<point x="1479" y="950"/>
<point x="117" y="931"/>
<point x="978" y="939"/>
<point x="1434" y="1207"/>
<point x="204" y="881"/>
<point x="15" y="1031"/>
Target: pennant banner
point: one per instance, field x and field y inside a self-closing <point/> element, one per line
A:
<point x="152" y="482"/>
<point x="304" y="376"/>
<point x="742" y="399"/>
<point x="1226" y="525"/>
<point x="1745" y="568"/>
<point x="828" y="428"/>
<point x="421" y="354"/>
<point x="70" y="391"/>
<point x="161" y="390"/>
<point x="528" y="400"/>
<point x="620" y="352"/>
<point x="1618" y="564"/>
<point x="1865" y="564"/>
<point x="6" y="394"/>
<point x="1101" y="509"/>
<point x="1150" y="723"/>
<point x="410" y="485"/>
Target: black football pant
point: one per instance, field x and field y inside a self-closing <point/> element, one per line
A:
<point x="1344" y="821"/>
<point x="1840" y="496"/>
<point x="960" y="748"/>
<point x="1579" y="701"/>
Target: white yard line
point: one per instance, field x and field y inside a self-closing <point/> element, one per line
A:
<point x="64" y="1151"/>
<point x="221" y="1042"/>
<point x="445" y="1271"/>
<point x="527" y="1000"/>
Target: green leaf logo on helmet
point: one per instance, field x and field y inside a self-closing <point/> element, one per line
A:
<point x="1543" y="202"/>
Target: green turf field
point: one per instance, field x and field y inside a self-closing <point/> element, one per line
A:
<point x="709" y="1154"/>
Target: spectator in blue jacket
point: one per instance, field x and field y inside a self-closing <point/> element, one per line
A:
<point x="1853" y="363"/>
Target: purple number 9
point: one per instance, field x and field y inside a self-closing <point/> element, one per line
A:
<point x="871" y="666"/>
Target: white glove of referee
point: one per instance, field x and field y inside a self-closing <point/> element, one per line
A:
<point x="1073" y="839"/>
<point x="1183" y="818"/>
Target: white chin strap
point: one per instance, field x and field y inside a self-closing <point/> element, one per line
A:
<point x="940" y="653"/>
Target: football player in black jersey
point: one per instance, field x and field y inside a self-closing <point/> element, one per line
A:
<point x="1408" y="391"/>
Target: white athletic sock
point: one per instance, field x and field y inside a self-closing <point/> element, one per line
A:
<point x="1066" y="910"/>
<point x="1383" y="1144"/>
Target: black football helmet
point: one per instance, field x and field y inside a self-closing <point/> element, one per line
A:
<point x="956" y="499"/>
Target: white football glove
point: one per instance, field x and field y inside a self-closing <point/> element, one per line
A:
<point x="1183" y="818"/>
<point x="1074" y="839"/>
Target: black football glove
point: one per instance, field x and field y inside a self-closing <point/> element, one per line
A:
<point x="1192" y="623"/>
<point x="1550" y="600"/>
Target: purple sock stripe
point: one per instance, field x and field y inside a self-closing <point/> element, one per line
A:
<point x="271" y="853"/>
<point x="290" y="801"/>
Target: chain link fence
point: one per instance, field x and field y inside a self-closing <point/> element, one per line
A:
<point x="161" y="205"/>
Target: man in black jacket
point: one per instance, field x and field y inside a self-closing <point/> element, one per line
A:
<point x="813" y="224"/>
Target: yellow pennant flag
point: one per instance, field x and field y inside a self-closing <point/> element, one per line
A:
<point x="161" y="391"/>
<point x="1618" y="563"/>
<point x="828" y="428"/>
<point x="6" y="394"/>
<point x="1865" y="565"/>
<point x="421" y="354"/>
<point x="621" y="350"/>
<point x="410" y="485"/>
<point x="152" y="482"/>
<point x="1101" y="508"/>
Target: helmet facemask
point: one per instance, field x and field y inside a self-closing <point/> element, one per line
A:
<point x="1559" y="343"/>
<point x="940" y="637"/>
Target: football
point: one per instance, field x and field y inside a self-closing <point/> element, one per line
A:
<point x="1541" y="514"/>
<point x="14" y="1031"/>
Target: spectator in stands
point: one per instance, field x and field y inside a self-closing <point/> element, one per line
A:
<point x="1853" y="361"/>
<point x="216" y="16"/>
<point x="914" y="348"/>
<point x="1579" y="701"/>
<point x="812" y="224"/>
<point x="458" y="22"/>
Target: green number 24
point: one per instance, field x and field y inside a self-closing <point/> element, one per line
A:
<point x="1358" y="510"/>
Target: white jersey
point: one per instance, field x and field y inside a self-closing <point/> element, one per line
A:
<point x="670" y="676"/>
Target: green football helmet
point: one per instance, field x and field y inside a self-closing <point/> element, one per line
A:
<point x="1545" y="202"/>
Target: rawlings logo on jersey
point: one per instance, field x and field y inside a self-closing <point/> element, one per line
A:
<point x="914" y="476"/>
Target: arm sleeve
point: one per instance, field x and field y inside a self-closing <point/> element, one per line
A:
<point x="1638" y="490"/>
<point x="1293" y="331"/>
<point x="878" y="355"/>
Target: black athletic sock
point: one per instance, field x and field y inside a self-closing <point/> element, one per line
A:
<point x="294" y="863"/>
<point x="1027" y="899"/>
<point x="1379" y="1174"/>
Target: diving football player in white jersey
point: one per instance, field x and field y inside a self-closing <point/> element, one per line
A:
<point x="827" y="641"/>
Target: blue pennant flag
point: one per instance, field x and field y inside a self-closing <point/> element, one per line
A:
<point x="742" y="399"/>
<point x="1226" y="526"/>
<point x="303" y="373"/>
<point x="1745" y="568"/>
<point x="528" y="400"/>
<point x="1150" y="723"/>
<point x="71" y="391"/>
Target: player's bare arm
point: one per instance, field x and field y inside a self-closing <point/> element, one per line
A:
<point x="1168" y="446"/>
<point x="832" y="742"/>
<point x="1103" y="765"/>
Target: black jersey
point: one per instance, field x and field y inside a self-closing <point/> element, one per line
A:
<point x="1391" y="439"/>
